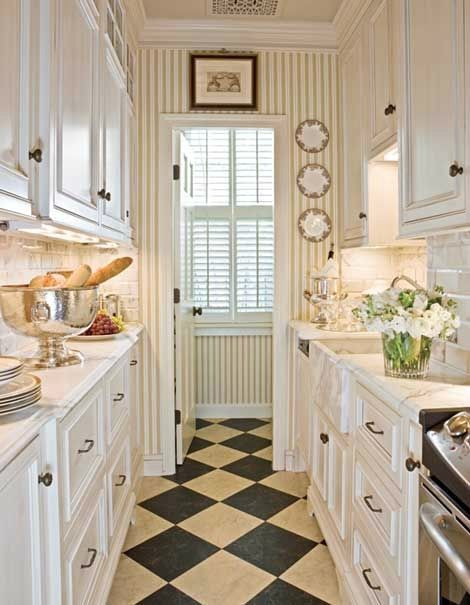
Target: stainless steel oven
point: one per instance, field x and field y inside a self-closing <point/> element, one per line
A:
<point x="444" y="548"/>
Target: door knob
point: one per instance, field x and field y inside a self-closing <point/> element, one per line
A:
<point x="197" y="311"/>
<point x="455" y="169"/>
<point x="36" y="155"/>
<point x="389" y="109"/>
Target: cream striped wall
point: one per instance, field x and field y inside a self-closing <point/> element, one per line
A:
<point x="298" y="84"/>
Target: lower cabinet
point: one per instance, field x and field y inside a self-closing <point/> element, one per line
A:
<point x="22" y="565"/>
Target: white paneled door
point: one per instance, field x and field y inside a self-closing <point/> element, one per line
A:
<point x="185" y="391"/>
<point x="18" y="50"/>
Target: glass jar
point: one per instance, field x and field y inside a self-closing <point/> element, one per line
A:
<point x="405" y="356"/>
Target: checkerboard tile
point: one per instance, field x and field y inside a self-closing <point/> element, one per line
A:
<point x="225" y="529"/>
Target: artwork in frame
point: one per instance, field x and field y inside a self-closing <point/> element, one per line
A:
<point x="224" y="81"/>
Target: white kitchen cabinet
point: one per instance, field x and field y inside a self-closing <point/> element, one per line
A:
<point x="136" y="403"/>
<point x="114" y="138"/>
<point x="75" y="101"/>
<point x="433" y="157"/>
<point x="338" y="481"/>
<point x="22" y="564"/>
<point x="19" y="74"/>
<point x="303" y="407"/>
<point x="131" y="172"/>
<point x="378" y="38"/>
<point x="354" y="183"/>
<point x="320" y="440"/>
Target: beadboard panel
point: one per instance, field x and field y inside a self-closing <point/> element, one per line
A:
<point x="233" y="370"/>
<point x="297" y="84"/>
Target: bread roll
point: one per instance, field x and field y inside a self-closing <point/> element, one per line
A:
<point x="78" y="277"/>
<point x="107" y="272"/>
<point x="50" y="280"/>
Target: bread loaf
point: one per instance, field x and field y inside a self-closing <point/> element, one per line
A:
<point x="108" y="271"/>
<point x="78" y="277"/>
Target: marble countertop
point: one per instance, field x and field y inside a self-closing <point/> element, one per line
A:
<point x="309" y="331"/>
<point x="62" y="389"/>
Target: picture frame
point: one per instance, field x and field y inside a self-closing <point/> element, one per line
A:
<point x="223" y="81"/>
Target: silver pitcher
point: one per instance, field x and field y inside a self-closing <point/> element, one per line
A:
<point x="52" y="315"/>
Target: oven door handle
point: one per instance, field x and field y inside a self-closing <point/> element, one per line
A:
<point x="447" y="536"/>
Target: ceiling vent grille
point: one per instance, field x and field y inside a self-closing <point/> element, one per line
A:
<point x="248" y="8"/>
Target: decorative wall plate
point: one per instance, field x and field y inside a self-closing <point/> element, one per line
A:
<point x="314" y="180"/>
<point x="314" y="225"/>
<point x="312" y="136"/>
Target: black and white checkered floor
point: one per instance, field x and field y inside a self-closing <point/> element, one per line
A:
<point x="225" y="530"/>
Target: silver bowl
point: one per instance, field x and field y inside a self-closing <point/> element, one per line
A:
<point x="52" y="315"/>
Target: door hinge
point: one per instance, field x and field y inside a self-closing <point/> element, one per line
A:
<point x="177" y="417"/>
<point x="176" y="296"/>
<point x="176" y="172"/>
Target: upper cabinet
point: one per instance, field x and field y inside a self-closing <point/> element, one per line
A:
<point x="69" y="67"/>
<point x="378" y="41"/>
<point x="434" y="150"/>
<point x="354" y="189"/>
<point x="19" y="29"/>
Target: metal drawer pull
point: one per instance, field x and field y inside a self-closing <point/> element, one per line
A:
<point x="133" y="362"/>
<point x="119" y="397"/>
<point x="324" y="438"/>
<point x="46" y="479"/>
<point x="93" y="552"/>
<point x="368" y="582"/>
<point x="122" y="481"/>
<point x="369" y="505"/>
<point x="90" y="444"/>
<point x="369" y="427"/>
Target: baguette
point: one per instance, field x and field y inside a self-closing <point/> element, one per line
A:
<point x="108" y="271"/>
<point x="78" y="277"/>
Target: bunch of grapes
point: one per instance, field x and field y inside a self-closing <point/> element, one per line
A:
<point x="103" y="325"/>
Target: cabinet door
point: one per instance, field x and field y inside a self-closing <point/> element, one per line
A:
<point x="433" y="126"/>
<point x="303" y="406"/>
<point x="114" y="211"/>
<point x="135" y="396"/>
<point x="382" y="110"/>
<point x="18" y="51"/>
<point x="77" y="111"/>
<point x="338" y="482"/>
<point x="354" y="206"/>
<point x="22" y="581"/>
<point x="130" y="172"/>
<point x="320" y="444"/>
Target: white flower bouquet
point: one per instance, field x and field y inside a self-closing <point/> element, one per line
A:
<point x="408" y="321"/>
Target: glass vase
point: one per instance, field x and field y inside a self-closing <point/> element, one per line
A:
<point x="405" y="356"/>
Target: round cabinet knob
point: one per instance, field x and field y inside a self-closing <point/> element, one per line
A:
<point x="46" y="479"/>
<point x="390" y="109"/>
<point x="101" y="193"/>
<point x="107" y="197"/>
<point x="411" y="464"/>
<point x="36" y="155"/>
<point x="455" y="169"/>
<point x="362" y="215"/>
<point x="324" y="438"/>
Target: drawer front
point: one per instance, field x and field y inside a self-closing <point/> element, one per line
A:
<point x="379" y="431"/>
<point x="371" y="575"/>
<point x="85" y="557"/>
<point x="117" y="395"/>
<point x="119" y="481"/>
<point x="378" y="509"/>
<point x="82" y="450"/>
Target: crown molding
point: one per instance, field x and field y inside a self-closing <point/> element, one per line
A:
<point x="135" y="11"/>
<point x="347" y="19"/>
<point x="215" y="34"/>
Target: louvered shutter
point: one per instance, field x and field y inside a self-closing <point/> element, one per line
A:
<point x="254" y="167"/>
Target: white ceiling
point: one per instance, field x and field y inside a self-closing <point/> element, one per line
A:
<point x="289" y="10"/>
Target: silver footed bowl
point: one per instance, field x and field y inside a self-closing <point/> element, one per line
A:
<point x="52" y="315"/>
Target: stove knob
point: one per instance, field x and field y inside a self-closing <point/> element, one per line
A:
<point x="412" y="464"/>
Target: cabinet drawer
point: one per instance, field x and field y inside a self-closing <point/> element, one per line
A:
<point x="117" y="396"/>
<point x="379" y="431"/>
<point x="118" y="481"/>
<point x="82" y="450"/>
<point x="86" y="554"/>
<point x="371" y="575"/>
<point x="378" y="509"/>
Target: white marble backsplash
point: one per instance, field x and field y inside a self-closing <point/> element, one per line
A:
<point x="23" y="258"/>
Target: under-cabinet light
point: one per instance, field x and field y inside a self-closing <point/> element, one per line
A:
<point x="60" y="234"/>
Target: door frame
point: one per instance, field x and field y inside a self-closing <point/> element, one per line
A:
<point x="164" y="251"/>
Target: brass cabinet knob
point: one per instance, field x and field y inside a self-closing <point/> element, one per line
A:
<point x="46" y="479"/>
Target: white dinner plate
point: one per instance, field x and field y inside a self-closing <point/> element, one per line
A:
<point x="13" y="400"/>
<point x="22" y="385"/>
<point x="10" y="364"/>
<point x="13" y="404"/>
<point x="98" y="336"/>
<point x="5" y="380"/>
<point x="4" y="412"/>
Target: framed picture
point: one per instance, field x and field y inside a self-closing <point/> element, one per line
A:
<point x="223" y="81"/>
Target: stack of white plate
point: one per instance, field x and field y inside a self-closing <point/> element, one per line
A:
<point x="20" y="393"/>
<point x="10" y="368"/>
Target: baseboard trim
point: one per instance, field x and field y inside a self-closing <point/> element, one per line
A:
<point x="235" y="410"/>
<point x="153" y="465"/>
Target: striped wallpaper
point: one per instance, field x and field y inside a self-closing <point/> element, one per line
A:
<point x="298" y="84"/>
